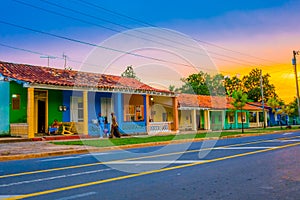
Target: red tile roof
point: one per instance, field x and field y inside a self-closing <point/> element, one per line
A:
<point x="71" y="78"/>
<point x="259" y="104"/>
<point x="209" y="102"/>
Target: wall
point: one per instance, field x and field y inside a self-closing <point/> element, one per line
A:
<point x="55" y="99"/>
<point x="4" y="108"/>
<point x="18" y="116"/>
<point x="236" y="124"/>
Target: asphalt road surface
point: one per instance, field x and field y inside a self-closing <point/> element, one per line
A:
<point x="263" y="167"/>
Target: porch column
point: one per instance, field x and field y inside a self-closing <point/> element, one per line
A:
<point x="236" y="119"/>
<point x="266" y="118"/>
<point x="257" y="119"/>
<point x="223" y="118"/>
<point x="175" y="113"/>
<point x="147" y="112"/>
<point x="85" y="113"/>
<point x="119" y="108"/>
<point x="194" y="122"/>
<point x="30" y="112"/>
<point x="206" y="120"/>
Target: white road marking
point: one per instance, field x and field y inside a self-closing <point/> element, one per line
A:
<point x="287" y="133"/>
<point x="8" y="196"/>
<point x="55" y="159"/>
<point x="294" y="140"/>
<point x="53" y="177"/>
<point x="92" y="154"/>
<point x="77" y="196"/>
<point x="243" y="148"/>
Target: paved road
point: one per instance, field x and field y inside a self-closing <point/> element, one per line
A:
<point x="264" y="167"/>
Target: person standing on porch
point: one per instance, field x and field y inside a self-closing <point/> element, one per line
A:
<point x="101" y="121"/>
<point x="114" y="127"/>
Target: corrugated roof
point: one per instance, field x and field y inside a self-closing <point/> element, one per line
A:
<point x="72" y="78"/>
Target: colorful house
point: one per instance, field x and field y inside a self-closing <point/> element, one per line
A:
<point x="198" y="112"/>
<point x="33" y="97"/>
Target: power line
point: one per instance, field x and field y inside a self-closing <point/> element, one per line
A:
<point x="278" y="83"/>
<point x="95" y="24"/>
<point x="46" y="55"/>
<point x="61" y="58"/>
<point x="149" y="24"/>
<point x="95" y="45"/>
<point x="116" y="13"/>
<point x="114" y="30"/>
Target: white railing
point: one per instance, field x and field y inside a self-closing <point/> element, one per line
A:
<point x="157" y="127"/>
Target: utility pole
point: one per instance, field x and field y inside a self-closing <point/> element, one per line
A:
<point x="65" y="58"/>
<point x="294" y="62"/>
<point x="262" y="97"/>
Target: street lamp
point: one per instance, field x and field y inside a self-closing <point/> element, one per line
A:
<point x="294" y="62"/>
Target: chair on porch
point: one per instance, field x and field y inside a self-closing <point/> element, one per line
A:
<point x="68" y="128"/>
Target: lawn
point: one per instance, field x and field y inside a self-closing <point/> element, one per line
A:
<point x="148" y="139"/>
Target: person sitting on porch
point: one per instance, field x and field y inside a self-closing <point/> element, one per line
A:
<point x="54" y="127"/>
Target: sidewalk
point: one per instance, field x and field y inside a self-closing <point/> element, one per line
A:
<point x="26" y="150"/>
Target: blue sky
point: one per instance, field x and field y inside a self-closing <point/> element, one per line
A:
<point x="261" y="28"/>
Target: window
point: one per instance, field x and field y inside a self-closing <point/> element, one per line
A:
<point x="16" y="102"/>
<point x="241" y="116"/>
<point x="252" y="117"/>
<point x="106" y="107"/>
<point x="133" y="108"/>
<point x="230" y="117"/>
<point x="76" y="109"/>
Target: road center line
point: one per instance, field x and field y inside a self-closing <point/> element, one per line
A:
<point x="137" y="158"/>
<point x="243" y="148"/>
<point x="147" y="172"/>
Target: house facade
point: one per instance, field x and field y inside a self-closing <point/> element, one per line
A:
<point x="35" y="96"/>
<point x="199" y="112"/>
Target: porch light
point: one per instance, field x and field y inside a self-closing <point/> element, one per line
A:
<point x="151" y="98"/>
<point x="62" y="108"/>
<point x="14" y="96"/>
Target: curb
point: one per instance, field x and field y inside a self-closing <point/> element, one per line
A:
<point x="150" y="144"/>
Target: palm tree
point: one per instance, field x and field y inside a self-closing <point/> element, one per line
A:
<point x="239" y="101"/>
<point x="285" y="111"/>
<point x="274" y="104"/>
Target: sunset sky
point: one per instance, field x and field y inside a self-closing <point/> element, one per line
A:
<point x="228" y="37"/>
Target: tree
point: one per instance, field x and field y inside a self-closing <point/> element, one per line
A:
<point x="251" y="85"/>
<point x="204" y="84"/>
<point x="172" y="88"/>
<point x="129" y="73"/>
<point x="232" y="84"/>
<point x="294" y="105"/>
<point x="239" y="101"/>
